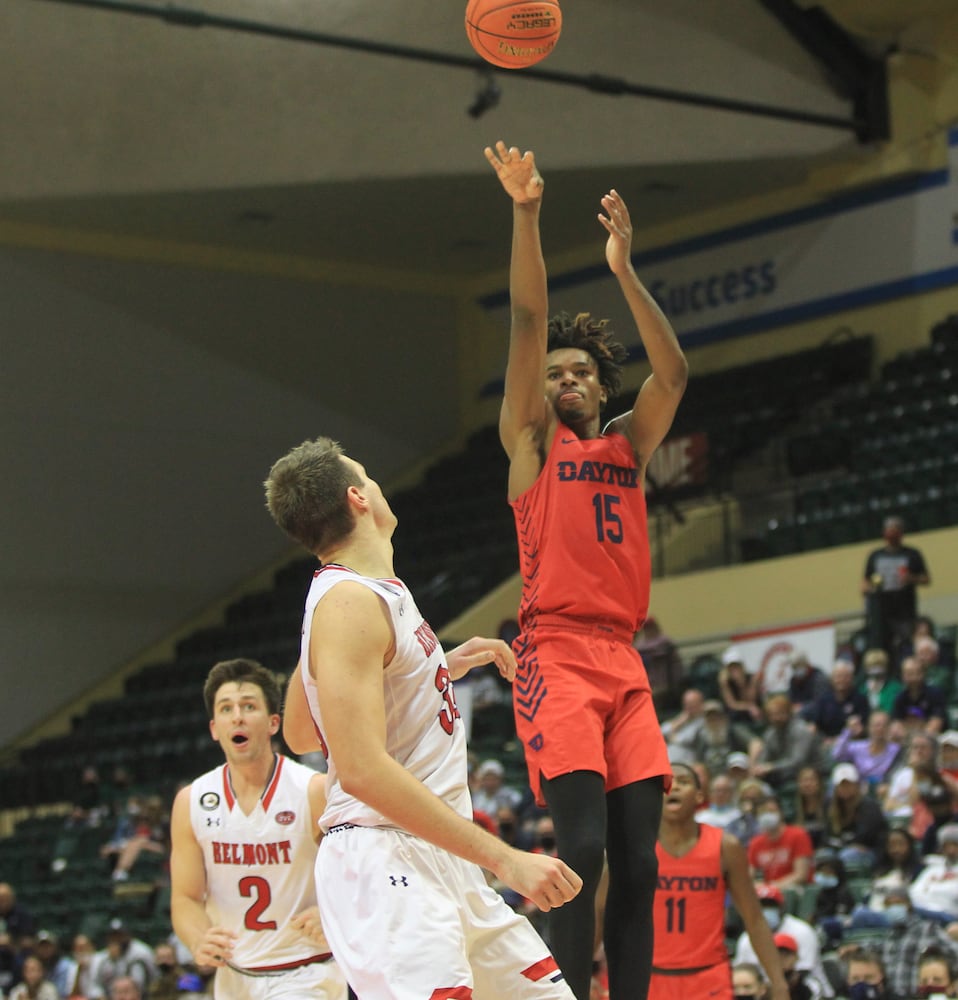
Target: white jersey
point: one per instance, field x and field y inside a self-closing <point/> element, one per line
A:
<point x="259" y="868"/>
<point x="424" y="732"/>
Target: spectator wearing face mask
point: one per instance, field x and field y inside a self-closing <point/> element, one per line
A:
<point x="779" y="854"/>
<point x="748" y="983"/>
<point x="834" y="902"/>
<point x="809" y="958"/>
<point x="879" y="687"/>
<point x="800" y="985"/>
<point x="866" y="977"/>
<point x="721" y="810"/>
<point x="937" y="974"/>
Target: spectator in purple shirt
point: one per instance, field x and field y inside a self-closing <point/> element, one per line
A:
<point x="873" y="755"/>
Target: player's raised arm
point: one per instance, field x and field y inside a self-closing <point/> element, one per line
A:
<point x="523" y="406"/>
<point x="659" y="397"/>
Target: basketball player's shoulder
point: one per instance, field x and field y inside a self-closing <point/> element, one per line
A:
<point x="298" y="773"/>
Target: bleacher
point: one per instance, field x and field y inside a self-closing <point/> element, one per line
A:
<point x="878" y="448"/>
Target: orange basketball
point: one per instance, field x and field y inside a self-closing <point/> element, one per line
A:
<point x="513" y="34"/>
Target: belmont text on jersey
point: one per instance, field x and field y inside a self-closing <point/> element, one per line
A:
<point x="279" y="853"/>
<point x="598" y="472"/>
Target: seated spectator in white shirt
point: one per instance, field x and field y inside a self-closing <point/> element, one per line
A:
<point x="680" y="731"/>
<point x="721" y="810"/>
<point x="491" y="793"/>
<point x="934" y="893"/>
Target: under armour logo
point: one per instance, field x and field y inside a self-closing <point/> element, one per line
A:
<point x="398" y="880"/>
<point x="212" y="821"/>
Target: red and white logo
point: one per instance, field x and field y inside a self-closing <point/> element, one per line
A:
<point x="285" y="818"/>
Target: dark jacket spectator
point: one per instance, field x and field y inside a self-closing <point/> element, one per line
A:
<point x="831" y="710"/>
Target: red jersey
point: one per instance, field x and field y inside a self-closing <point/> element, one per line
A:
<point x="583" y="534"/>
<point x="689" y="907"/>
<point x="774" y="859"/>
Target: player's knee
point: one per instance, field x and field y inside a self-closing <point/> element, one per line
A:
<point x="586" y="855"/>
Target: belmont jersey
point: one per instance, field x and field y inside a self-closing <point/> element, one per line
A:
<point x="259" y="868"/>
<point x="424" y="732"/>
<point x="689" y="907"/>
<point x="583" y="534"/>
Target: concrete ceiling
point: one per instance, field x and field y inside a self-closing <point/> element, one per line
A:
<point x="214" y="243"/>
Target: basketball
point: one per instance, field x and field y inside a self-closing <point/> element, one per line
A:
<point x="513" y="34"/>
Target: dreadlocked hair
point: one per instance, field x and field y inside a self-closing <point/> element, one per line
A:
<point x="592" y="336"/>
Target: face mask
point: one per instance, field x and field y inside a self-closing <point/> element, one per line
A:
<point x="744" y="996"/>
<point x="826" y="881"/>
<point x="772" y="917"/>
<point x="768" y="822"/>
<point x="931" y="992"/>
<point x="897" y="913"/>
<point x="547" y="843"/>
<point x="865" y="991"/>
<point x="165" y="966"/>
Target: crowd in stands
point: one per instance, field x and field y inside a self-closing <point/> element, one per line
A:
<point x="842" y="785"/>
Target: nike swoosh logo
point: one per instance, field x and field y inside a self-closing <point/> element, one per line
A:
<point x="569" y="440"/>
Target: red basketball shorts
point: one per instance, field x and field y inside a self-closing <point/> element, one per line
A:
<point x="582" y="702"/>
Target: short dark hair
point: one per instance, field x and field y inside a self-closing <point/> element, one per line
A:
<point x="306" y="494"/>
<point x="868" y="956"/>
<point x="935" y="953"/>
<point x="241" y="671"/>
<point x="691" y="770"/>
<point x="593" y="337"/>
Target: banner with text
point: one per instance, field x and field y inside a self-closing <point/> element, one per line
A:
<point x="874" y="244"/>
<point x="768" y="654"/>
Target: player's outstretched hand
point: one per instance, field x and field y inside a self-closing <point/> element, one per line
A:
<point x="309" y="922"/>
<point x="517" y="172"/>
<point x="548" y="882"/>
<point x="215" y="947"/>
<point x="477" y="652"/>
<point x="618" y="249"/>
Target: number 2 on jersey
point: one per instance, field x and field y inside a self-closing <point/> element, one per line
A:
<point x="257" y="886"/>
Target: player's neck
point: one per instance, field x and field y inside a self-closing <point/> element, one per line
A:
<point x="368" y="555"/>
<point x="679" y="836"/>
<point x="585" y="429"/>
<point x="250" y="778"/>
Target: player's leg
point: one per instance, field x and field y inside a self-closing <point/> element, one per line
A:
<point x="232" y="985"/>
<point x="320" y="981"/>
<point x="389" y="916"/>
<point x="506" y="955"/>
<point x="634" y="812"/>
<point x="577" y="803"/>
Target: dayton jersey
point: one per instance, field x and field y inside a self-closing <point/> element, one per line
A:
<point x="259" y="868"/>
<point x="689" y="907"/>
<point x="583" y="534"/>
<point x="424" y="732"/>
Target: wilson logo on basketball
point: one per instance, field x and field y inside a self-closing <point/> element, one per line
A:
<point x="285" y="818"/>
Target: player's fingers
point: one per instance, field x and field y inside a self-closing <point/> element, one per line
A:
<point x="571" y="877"/>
